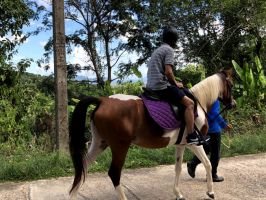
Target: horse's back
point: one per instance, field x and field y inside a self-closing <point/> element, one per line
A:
<point x="124" y="97"/>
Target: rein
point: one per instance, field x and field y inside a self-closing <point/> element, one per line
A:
<point x="227" y="107"/>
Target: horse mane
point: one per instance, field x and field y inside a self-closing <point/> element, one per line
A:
<point x="207" y="91"/>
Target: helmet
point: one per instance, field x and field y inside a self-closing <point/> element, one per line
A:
<point x="170" y="35"/>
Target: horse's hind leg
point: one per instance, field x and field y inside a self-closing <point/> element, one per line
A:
<point x="119" y="153"/>
<point x="200" y="153"/>
<point x="97" y="146"/>
<point x="178" y="167"/>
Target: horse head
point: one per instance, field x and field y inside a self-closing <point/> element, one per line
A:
<point x="226" y="96"/>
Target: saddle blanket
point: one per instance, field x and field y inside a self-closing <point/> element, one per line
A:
<point x="162" y="113"/>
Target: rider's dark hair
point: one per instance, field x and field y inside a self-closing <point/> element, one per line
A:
<point x="170" y="35"/>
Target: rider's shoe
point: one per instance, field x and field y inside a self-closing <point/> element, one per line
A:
<point x="193" y="138"/>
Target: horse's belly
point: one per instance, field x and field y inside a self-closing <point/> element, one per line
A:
<point x="154" y="141"/>
<point x="172" y="135"/>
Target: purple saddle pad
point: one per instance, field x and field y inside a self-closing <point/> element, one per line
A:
<point x="162" y="113"/>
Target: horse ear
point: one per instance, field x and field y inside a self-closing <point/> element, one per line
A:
<point x="229" y="72"/>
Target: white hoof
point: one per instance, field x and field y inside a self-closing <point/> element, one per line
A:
<point x="210" y="194"/>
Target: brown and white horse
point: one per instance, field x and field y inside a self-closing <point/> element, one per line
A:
<point x="121" y="120"/>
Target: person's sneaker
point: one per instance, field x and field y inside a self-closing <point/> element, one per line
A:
<point x="216" y="178"/>
<point x="191" y="169"/>
<point x="193" y="138"/>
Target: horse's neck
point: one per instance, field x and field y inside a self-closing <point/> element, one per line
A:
<point x="207" y="91"/>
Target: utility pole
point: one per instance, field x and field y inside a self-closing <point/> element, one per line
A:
<point x="60" y="75"/>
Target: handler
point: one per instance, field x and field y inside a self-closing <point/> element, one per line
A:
<point x="213" y="146"/>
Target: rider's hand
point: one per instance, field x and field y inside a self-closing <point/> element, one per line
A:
<point x="228" y="127"/>
<point x="179" y="85"/>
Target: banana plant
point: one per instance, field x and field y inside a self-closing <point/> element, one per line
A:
<point x="253" y="80"/>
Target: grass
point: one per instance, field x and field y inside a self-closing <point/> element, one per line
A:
<point x="248" y="143"/>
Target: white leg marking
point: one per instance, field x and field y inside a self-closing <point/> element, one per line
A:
<point x="178" y="167"/>
<point x="95" y="146"/>
<point x="200" y="153"/>
<point x="120" y="192"/>
<point x="172" y="135"/>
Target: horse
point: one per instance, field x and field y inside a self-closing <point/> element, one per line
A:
<point x="118" y="121"/>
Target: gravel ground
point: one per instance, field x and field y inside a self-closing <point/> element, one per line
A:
<point x="245" y="178"/>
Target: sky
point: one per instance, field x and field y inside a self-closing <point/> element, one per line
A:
<point x="33" y="48"/>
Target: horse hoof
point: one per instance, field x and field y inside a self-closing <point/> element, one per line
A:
<point x="180" y="198"/>
<point x="210" y="194"/>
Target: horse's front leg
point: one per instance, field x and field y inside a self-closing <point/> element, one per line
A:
<point x="200" y="153"/>
<point x="178" y="167"/>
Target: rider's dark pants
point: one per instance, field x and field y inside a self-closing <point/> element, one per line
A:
<point x="174" y="95"/>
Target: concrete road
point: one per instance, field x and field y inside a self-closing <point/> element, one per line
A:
<point x="245" y="178"/>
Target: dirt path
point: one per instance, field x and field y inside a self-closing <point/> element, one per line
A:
<point x="245" y="178"/>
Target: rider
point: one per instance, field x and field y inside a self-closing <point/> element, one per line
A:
<point x="161" y="80"/>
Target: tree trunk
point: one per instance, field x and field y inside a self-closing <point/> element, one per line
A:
<point x="60" y="75"/>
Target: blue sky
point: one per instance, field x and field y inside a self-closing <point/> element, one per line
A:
<point x="33" y="48"/>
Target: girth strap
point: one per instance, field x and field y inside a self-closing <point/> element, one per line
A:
<point x="181" y="132"/>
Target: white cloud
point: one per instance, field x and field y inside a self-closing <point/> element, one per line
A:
<point x="43" y="43"/>
<point x="79" y="56"/>
<point x="45" y="3"/>
<point x="32" y="23"/>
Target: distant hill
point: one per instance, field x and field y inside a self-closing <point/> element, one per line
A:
<point x="86" y="78"/>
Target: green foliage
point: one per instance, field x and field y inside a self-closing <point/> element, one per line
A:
<point x="22" y="106"/>
<point x="215" y="32"/>
<point x="34" y="165"/>
<point x="191" y="74"/>
<point x="253" y="81"/>
<point x="14" y="15"/>
<point x="128" y="88"/>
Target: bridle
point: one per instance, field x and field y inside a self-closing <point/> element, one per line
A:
<point x="227" y="94"/>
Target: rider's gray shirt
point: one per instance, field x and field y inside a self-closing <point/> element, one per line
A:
<point x="156" y="79"/>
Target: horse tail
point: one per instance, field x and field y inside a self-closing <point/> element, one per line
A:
<point x="77" y="140"/>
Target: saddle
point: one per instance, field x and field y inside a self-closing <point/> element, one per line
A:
<point x="150" y="94"/>
<point x="166" y="115"/>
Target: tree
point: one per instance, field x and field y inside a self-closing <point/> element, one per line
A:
<point x="215" y="32"/>
<point x="17" y="99"/>
<point x="14" y="16"/>
<point x="212" y="33"/>
<point x="60" y="75"/>
<point x="118" y="27"/>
